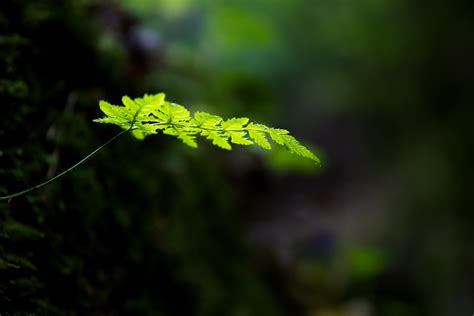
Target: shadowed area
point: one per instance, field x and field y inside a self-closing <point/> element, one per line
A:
<point x="380" y="91"/>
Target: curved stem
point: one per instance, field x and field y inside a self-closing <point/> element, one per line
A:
<point x="86" y="158"/>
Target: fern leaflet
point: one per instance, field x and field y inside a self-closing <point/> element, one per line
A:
<point x="152" y="113"/>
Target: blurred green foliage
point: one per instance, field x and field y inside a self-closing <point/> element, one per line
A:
<point x="153" y="228"/>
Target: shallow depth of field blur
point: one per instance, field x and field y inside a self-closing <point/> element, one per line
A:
<point x="382" y="91"/>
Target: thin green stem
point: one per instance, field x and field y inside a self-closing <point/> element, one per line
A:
<point x="86" y="158"/>
<point x="244" y="128"/>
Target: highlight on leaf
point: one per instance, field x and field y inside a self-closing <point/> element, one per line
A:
<point x="152" y="113"/>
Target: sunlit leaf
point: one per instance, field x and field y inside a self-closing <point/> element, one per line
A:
<point x="146" y="116"/>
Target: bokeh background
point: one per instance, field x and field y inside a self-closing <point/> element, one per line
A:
<point x="381" y="90"/>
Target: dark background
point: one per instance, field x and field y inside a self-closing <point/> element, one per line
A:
<point x="381" y="90"/>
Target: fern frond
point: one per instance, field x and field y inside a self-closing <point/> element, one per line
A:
<point x="146" y="116"/>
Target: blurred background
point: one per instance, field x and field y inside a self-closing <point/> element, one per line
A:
<point x="381" y="90"/>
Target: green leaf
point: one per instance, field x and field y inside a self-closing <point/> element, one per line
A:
<point x="185" y="136"/>
<point x="296" y="148"/>
<point x="203" y="119"/>
<point x="139" y="134"/>
<point x="150" y="101"/>
<point x="147" y="115"/>
<point x="239" y="138"/>
<point x="146" y="106"/>
<point x="112" y="120"/>
<point x="234" y="123"/>
<point x="218" y="138"/>
<point x="256" y="132"/>
<point x="115" y="110"/>
<point x="260" y="139"/>
<point x="172" y="113"/>
<point x="277" y="135"/>
<point x="130" y="105"/>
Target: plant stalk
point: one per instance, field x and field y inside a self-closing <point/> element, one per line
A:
<point x="83" y="160"/>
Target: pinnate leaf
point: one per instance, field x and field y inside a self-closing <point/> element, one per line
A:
<point x="187" y="138"/>
<point x="147" y="115"/>
<point x="239" y="138"/>
<point x="257" y="133"/>
<point x="203" y="119"/>
<point x="218" y="138"/>
<point x="234" y="123"/>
